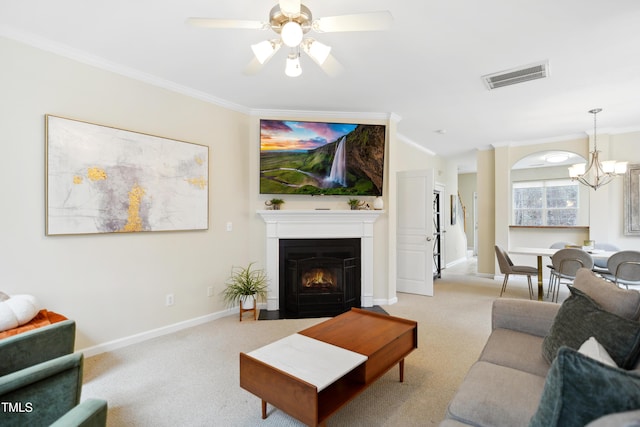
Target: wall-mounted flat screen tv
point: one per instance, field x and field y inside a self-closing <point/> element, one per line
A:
<point x="316" y="158"/>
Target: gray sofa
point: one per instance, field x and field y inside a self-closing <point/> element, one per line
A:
<point x="505" y="386"/>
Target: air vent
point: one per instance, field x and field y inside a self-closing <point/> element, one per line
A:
<point x="517" y="75"/>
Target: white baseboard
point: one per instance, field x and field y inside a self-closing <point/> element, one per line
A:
<point x="455" y="262"/>
<point x="390" y="301"/>
<point x="154" y="333"/>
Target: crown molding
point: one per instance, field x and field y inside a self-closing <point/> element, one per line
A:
<point x="104" y="64"/>
<point x="486" y="148"/>
<point x="341" y="115"/>
<point x="413" y="143"/>
<point x="539" y="141"/>
<point x="615" y="131"/>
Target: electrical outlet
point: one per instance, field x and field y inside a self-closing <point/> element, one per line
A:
<point x="210" y="291"/>
<point x="169" y="300"/>
<point x="229" y="226"/>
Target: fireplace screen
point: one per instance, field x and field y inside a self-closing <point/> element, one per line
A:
<point x="319" y="278"/>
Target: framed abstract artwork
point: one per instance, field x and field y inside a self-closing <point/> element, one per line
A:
<point x="632" y="201"/>
<point x="101" y="179"/>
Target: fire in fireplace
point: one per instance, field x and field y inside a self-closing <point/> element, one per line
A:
<point x="319" y="277"/>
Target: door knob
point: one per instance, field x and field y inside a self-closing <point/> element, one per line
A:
<point x="428" y="239"/>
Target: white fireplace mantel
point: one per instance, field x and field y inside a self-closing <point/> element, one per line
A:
<point x="319" y="224"/>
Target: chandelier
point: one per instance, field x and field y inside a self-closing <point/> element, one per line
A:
<point x="597" y="173"/>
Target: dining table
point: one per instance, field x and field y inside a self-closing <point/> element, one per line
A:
<point x="549" y="252"/>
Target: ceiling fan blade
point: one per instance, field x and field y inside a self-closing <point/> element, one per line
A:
<point x="226" y="23"/>
<point x="331" y="66"/>
<point x="253" y="67"/>
<point x="371" y="21"/>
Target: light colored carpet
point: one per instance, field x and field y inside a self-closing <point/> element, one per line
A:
<point x="191" y="378"/>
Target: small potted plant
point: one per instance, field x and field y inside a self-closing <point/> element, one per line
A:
<point x="245" y="285"/>
<point x="274" y="203"/>
<point x="355" y="204"/>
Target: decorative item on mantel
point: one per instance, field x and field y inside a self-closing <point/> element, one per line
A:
<point x="274" y="204"/>
<point x="244" y="286"/>
<point x="356" y="204"/>
<point x="378" y="203"/>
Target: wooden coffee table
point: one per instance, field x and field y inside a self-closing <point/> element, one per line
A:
<point x="312" y="374"/>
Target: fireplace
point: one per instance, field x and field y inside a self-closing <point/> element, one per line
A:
<point x="318" y="224"/>
<point x="319" y="277"/>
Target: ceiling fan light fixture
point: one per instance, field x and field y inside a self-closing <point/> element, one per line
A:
<point x="291" y="34"/>
<point x="291" y="20"/>
<point x="293" y="68"/>
<point x="319" y="52"/>
<point x="265" y="50"/>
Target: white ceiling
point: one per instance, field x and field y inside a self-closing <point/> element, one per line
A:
<point x="427" y="69"/>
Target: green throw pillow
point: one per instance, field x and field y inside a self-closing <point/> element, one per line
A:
<point x="580" y="317"/>
<point x="579" y="389"/>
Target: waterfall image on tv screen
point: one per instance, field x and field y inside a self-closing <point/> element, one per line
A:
<point x="321" y="158"/>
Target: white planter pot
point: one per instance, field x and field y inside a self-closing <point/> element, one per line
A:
<point x="248" y="302"/>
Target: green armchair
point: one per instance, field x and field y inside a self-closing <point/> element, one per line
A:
<point x="36" y="346"/>
<point x="90" y="413"/>
<point x="49" y="394"/>
<point x="41" y="380"/>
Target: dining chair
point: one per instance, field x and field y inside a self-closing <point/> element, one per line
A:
<point x="507" y="268"/>
<point x="600" y="264"/>
<point x="556" y="245"/>
<point x="624" y="268"/>
<point x="566" y="262"/>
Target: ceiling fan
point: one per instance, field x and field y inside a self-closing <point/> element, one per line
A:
<point x="292" y="20"/>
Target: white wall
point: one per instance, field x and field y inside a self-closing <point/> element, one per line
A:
<point x="114" y="285"/>
<point x="467" y="186"/>
<point x="454" y="238"/>
<point x="606" y="204"/>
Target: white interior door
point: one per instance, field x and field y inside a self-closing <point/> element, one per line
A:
<point x="415" y="232"/>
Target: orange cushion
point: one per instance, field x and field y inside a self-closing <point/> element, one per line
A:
<point x="43" y="318"/>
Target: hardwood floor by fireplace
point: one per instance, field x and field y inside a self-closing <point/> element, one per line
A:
<point x="319" y="277"/>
